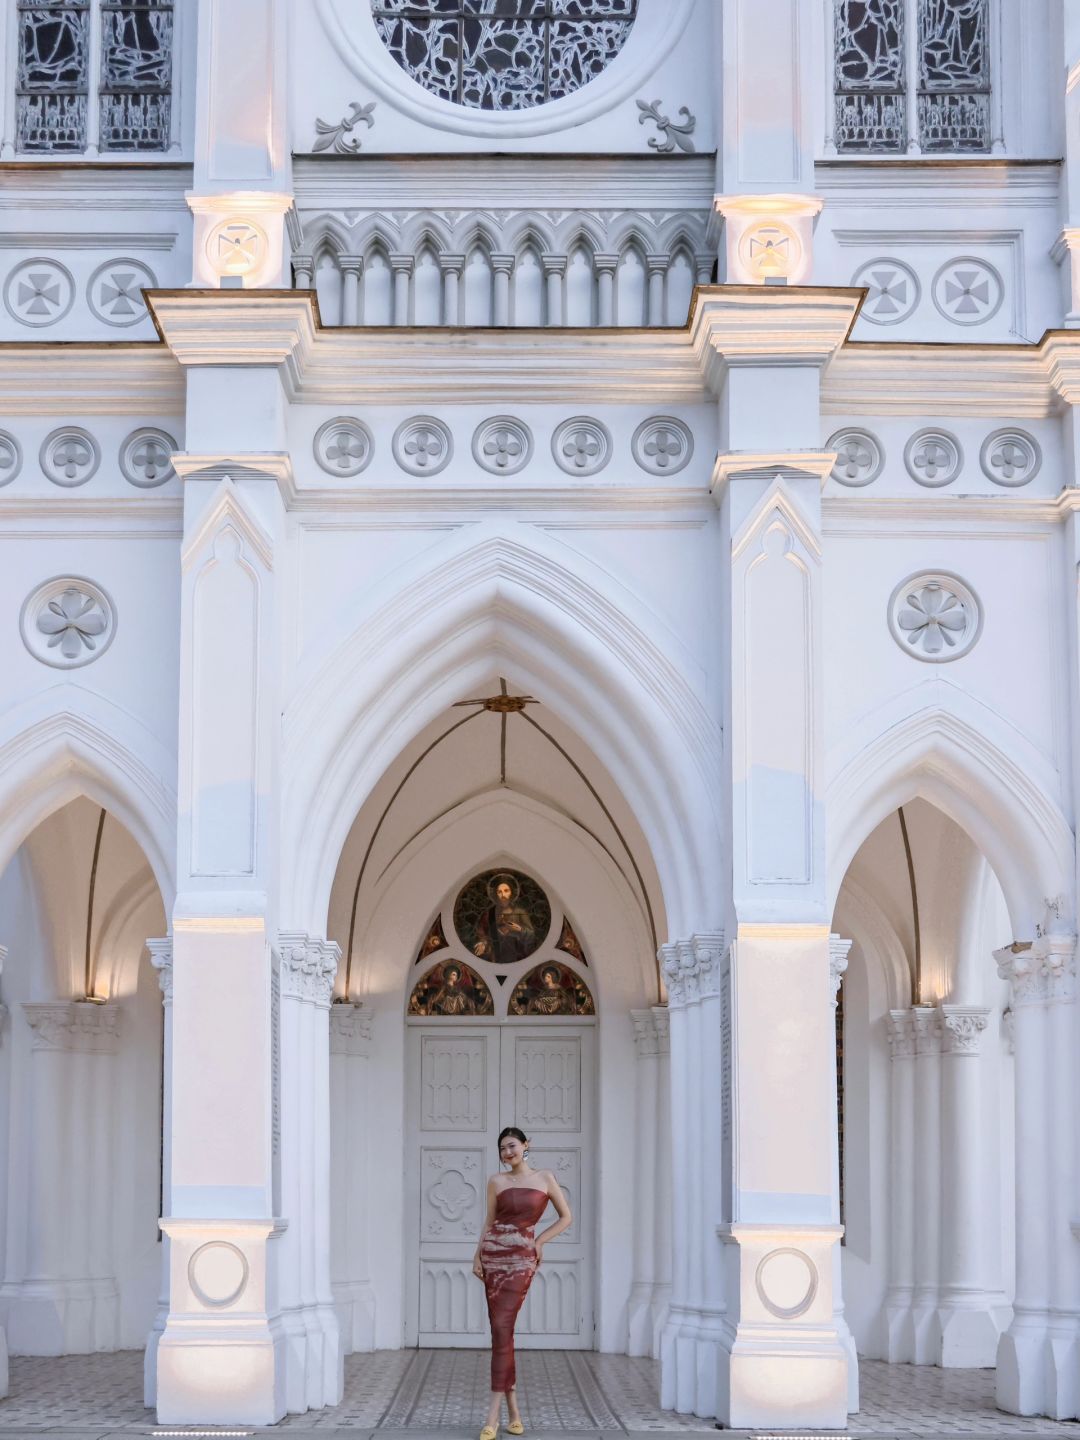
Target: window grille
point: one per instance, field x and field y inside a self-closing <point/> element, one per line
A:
<point x="132" y="86"/>
<point x="503" y="54"/>
<point x="947" y="71"/>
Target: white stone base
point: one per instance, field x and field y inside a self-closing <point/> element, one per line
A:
<point x="208" y="1378"/>
<point x="354" y="1303"/>
<point x="62" y="1317"/>
<point x="970" y="1331"/>
<point x="1021" y="1368"/>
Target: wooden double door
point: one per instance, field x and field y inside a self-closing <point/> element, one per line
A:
<point x="467" y="1080"/>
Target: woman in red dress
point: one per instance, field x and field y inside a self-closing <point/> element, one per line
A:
<point x="507" y="1258"/>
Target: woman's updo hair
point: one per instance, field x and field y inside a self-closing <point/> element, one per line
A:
<point x="515" y="1132"/>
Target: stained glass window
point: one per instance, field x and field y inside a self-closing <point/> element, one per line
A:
<point x="134" y="92"/>
<point x="503" y="54"/>
<point x="54" y="74"/>
<point x="951" y="83"/>
<point x="136" y="74"/>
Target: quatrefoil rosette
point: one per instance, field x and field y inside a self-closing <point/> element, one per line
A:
<point x="934" y="616"/>
<point x="1010" y="457"/>
<point x="662" y="445"/>
<point x="67" y="622"/>
<point x="422" y="445"/>
<point x="343" y="446"/>
<point x="502" y="445"/>
<point x="146" y="458"/>
<point x="859" y="457"/>
<point x="581" y="445"/>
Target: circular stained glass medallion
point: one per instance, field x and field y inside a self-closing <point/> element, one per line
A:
<point x="503" y="54"/>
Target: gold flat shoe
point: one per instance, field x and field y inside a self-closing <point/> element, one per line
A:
<point x="489" y="1432"/>
<point x="515" y="1428"/>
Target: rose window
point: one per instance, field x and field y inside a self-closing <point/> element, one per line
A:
<point x="503" y="54"/>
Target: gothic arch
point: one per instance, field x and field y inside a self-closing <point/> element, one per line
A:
<point x="966" y="767"/>
<point x="50" y="754"/>
<point x="496" y="606"/>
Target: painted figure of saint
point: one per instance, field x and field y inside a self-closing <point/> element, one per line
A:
<point x="550" y="998"/>
<point x="452" y="998"/>
<point x="504" y="930"/>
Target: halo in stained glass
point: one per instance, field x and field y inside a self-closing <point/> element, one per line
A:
<point x="503" y="54"/>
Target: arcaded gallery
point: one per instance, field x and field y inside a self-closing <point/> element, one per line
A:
<point x="539" y="588"/>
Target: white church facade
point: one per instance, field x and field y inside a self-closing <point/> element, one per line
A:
<point x="538" y="586"/>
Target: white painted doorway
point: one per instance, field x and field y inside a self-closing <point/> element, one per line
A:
<point x="466" y="1081"/>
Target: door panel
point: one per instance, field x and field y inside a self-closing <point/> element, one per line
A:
<point x="467" y="1082"/>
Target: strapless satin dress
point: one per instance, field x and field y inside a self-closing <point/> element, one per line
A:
<point x="508" y="1255"/>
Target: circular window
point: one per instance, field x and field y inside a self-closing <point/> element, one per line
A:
<point x="503" y="54"/>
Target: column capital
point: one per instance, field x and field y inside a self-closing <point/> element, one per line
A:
<point x="350" y="1028"/>
<point x="81" y="1026"/>
<point x="694" y="968"/>
<point x="401" y="262"/>
<point x="451" y="264"/>
<point x="605" y="264"/>
<point x="303" y="265"/>
<point x="1039" y="970"/>
<point x="650" y="1031"/>
<point x="308" y="966"/>
<point x="657" y="263"/>
<point x="553" y="264"/>
<point x="926" y="1023"/>
<point x="350" y="264"/>
<point x="962" y="1027"/>
<point x="161" y="958"/>
<point x="503" y="264"/>
<point x="839" y="948"/>
<point x="901" y="1031"/>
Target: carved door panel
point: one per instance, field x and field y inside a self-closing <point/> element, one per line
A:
<point x="547" y="1087"/>
<point x="466" y="1083"/>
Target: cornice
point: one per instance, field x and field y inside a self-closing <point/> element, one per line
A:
<point x="237" y="327"/>
<point x="882" y="378"/>
<point x="778" y="325"/>
<point x="138" y="378"/>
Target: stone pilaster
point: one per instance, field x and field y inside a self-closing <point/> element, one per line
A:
<point x="351" y="1112"/>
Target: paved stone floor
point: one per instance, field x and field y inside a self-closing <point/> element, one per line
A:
<point x="442" y="1392"/>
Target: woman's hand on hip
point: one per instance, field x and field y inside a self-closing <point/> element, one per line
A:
<point x="477" y="1267"/>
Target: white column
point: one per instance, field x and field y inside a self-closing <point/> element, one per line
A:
<point x="242" y="183"/>
<point x="303" y="268"/>
<point x="1063" y="1331"/>
<point x="928" y="1198"/>
<point x="314" y="1374"/>
<point x="161" y="960"/>
<point x="352" y="267"/>
<point x="839" y="949"/>
<point x="662" y="1213"/>
<point x="899" y="1325"/>
<point x="68" y="1302"/>
<point x="970" y="1317"/>
<point x="503" y="268"/>
<point x="647" y="1169"/>
<point x="1022" y="1358"/>
<point x="656" y="267"/>
<point x="451" y="267"/>
<point x="402" y="267"/>
<point x="678" y="1373"/>
<point x="351" y="1105"/>
<point x="554" y="272"/>
<point x="604" y="267"/>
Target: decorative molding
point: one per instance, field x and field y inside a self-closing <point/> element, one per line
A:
<point x="343" y="446"/>
<point x="502" y="445"/>
<point x="967" y="290"/>
<point x="308" y="966"/>
<point x="1010" y="457"/>
<point x="10" y="457"/>
<point x="332" y="137"/>
<point x="694" y="969"/>
<point x="350" y="1028"/>
<point x="1039" y="971"/>
<point x="662" y="445"/>
<point x="672" y="135"/>
<point x="900" y="1026"/>
<point x="67" y="622"/>
<point x="926" y="1026"/>
<point x="892" y="290"/>
<point x="423" y="445"/>
<point x="115" y="291"/>
<point x="651" y="1032"/>
<point x="933" y="457"/>
<point x="581" y="445"/>
<point x="80" y="1026"/>
<point x="935" y="616"/>
<point x="860" y="457"/>
<point x="146" y="458"/>
<point x="39" y="292"/>
<point x="839" y="948"/>
<point x="161" y="958"/>
<point x="962" y="1027"/>
<point x="70" y="456"/>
